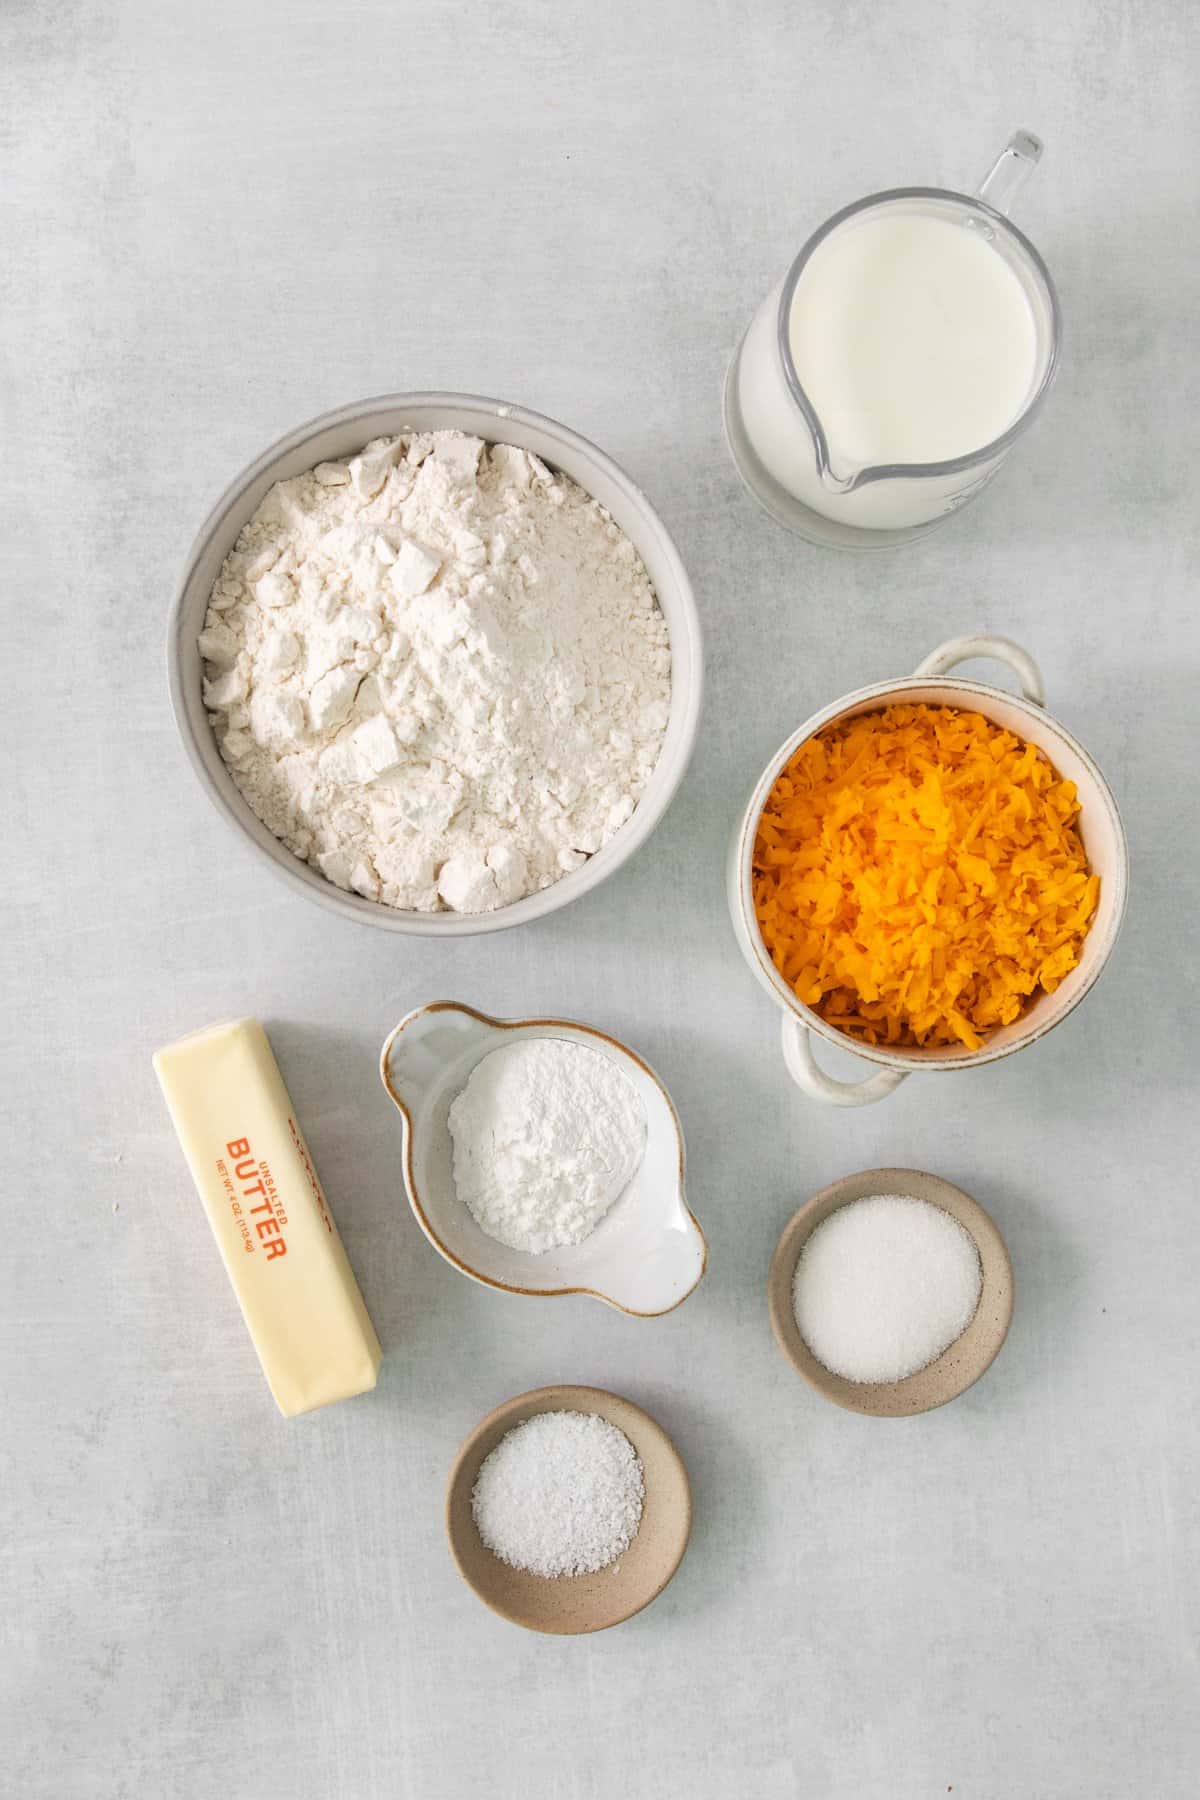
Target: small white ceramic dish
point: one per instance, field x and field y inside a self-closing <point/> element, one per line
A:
<point x="1099" y="826"/>
<point x="646" y="1255"/>
<point x="340" y="434"/>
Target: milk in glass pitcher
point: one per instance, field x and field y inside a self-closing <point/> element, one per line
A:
<point x="908" y="347"/>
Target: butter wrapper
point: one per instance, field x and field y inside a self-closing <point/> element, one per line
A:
<point x="268" y="1213"/>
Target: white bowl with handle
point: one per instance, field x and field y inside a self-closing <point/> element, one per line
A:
<point x="341" y="434"/>
<point x="648" y="1252"/>
<point x="1099" y="826"/>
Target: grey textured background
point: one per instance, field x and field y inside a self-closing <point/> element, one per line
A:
<point x="222" y="218"/>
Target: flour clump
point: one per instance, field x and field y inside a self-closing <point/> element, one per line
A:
<point x="547" y="1135"/>
<point x="437" y="671"/>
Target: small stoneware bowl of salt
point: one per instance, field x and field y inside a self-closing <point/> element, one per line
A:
<point x="891" y="1292"/>
<point x="568" y="1510"/>
<point x="542" y="1157"/>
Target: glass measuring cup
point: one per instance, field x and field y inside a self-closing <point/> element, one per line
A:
<point x="778" y="442"/>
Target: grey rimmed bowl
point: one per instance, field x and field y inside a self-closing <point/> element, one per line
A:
<point x="340" y="434"/>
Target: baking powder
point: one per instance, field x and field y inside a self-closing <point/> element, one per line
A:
<point x="547" y="1135"/>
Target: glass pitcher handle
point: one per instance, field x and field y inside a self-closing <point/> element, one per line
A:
<point x="1015" y="163"/>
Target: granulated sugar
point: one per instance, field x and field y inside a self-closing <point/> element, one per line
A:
<point x="560" y="1495"/>
<point x="884" y="1285"/>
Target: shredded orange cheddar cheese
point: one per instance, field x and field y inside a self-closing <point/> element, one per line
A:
<point x="918" y="875"/>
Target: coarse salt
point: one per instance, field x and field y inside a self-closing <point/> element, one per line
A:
<point x="884" y="1285"/>
<point x="560" y="1494"/>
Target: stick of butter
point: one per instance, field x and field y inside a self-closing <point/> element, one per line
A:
<point x="280" y="1246"/>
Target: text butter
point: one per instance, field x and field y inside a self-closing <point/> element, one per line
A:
<point x="280" y="1246"/>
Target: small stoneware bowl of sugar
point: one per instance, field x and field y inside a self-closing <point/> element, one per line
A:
<point x="541" y="1157"/>
<point x="568" y="1510"/>
<point x="891" y="1292"/>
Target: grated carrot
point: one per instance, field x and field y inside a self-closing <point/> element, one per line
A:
<point x="918" y="876"/>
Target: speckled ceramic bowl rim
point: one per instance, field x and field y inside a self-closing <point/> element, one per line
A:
<point x="425" y="411"/>
<point x="891" y="1399"/>
<point x="410" y="1183"/>
<point x="582" y="1399"/>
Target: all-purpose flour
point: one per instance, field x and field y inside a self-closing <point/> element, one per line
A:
<point x="437" y="672"/>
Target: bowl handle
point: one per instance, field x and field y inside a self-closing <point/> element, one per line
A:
<point x="960" y="649"/>
<point x="802" y="1067"/>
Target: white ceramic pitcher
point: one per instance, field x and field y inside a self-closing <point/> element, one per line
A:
<point x="779" y="444"/>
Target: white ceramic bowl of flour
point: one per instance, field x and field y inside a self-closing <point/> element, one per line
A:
<point x="338" y="435"/>
<point x="647" y="1253"/>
